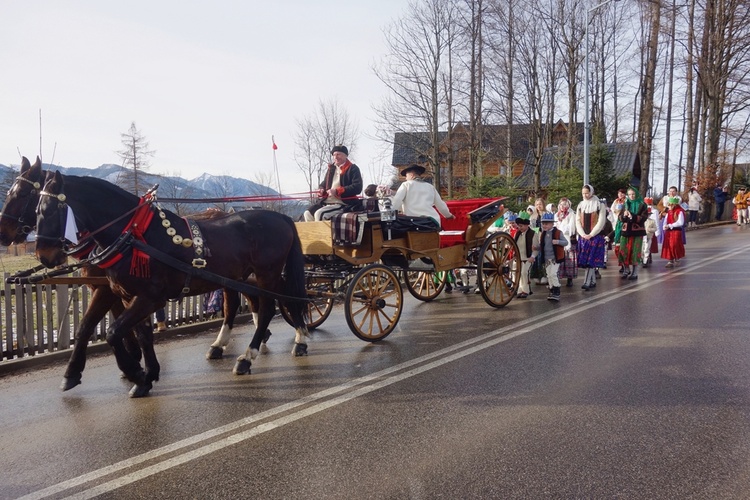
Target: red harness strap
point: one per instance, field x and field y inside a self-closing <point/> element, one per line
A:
<point x="139" y="264"/>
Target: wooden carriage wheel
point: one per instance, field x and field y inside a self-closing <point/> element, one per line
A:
<point x="319" y="309"/>
<point x="425" y="286"/>
<point x="374" y="302"/>
<point x="498" y="269"/>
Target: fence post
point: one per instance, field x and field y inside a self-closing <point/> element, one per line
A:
<point x="63" y="316"/>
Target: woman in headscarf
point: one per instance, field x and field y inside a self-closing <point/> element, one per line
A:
<point x="591" y="215"/>
<point x="629" y="233"/>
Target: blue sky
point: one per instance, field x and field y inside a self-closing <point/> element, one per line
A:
<point x="208" y="84"/>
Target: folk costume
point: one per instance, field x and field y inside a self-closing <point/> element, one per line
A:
<point x="528" y="249"/>
<point x="552" y="244"/>
<point x="339" y="191"/>
<point x="653" y="232"/>
<point x="673" y="248"/>
<point x="740" y="204"/>
<point x="565" y="221"/>
<point x="629" y="233"/>
<point x="591" y="216"/>
<point x="418" y="203"/>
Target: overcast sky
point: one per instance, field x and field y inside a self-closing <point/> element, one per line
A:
<point x="207" y="83"/>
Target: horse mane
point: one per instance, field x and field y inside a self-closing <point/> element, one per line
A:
<point x="101" y="184"/>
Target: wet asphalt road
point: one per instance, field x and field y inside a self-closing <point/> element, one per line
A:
<point x="637" y="390"/>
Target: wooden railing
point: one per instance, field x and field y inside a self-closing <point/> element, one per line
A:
<point x="44" y="317"/>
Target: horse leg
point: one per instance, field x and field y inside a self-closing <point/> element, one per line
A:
<point x="130" y="341"/>
<point x="266" y="309"/>
<point x="102" y="300"/>
<point x="253" y="299"/>
<point x="231" y="305"/>
<point x="145" y="335"/>
<point x="297" y="311"/>
<point x="134" y="313"/>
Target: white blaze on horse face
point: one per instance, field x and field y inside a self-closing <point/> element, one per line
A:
<point x="223" y="339"/>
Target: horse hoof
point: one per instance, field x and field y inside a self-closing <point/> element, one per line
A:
<point x="69" y="382"/>
<point x="140" y="391"/>
<point x="215" y="353"/>
<point x="242" y="366"/>
<point x="299" y="350"/>
<point x="263" y="346"/>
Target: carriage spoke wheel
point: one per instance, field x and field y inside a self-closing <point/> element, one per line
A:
<point x="425" y="285"/>
<point x="374" y="302"/>
<point x="498" y="269"/>
<point x="319" y="309"/>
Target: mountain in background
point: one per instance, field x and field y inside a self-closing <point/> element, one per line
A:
<point x="205" y="186"/>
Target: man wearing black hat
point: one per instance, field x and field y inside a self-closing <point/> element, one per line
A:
<point x="339" y="190"/>
<point x="416" y="198"/>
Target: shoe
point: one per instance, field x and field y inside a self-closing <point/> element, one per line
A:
<point x="161" y="326"/>
<point x="569" y="283"/>
<point x="597" y="274"/>
<point x="585" y="286"/>
<point x="670" y="264"/>
<point x="593" y="285"/>
<point x="633" y="277"/>
<point x="522" y="295"/>
<point x="624" y="275"/>
<point x="477" y="290"/>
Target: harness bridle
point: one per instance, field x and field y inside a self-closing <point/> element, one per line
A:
<point x="24" y="227"/>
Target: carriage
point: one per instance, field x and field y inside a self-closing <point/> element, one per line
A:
<point x="357" y="259"/>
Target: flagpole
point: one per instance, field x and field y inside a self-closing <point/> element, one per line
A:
<point x="275" y="165"/>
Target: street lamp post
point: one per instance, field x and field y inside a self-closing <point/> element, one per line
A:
<point x="586" y="124"/>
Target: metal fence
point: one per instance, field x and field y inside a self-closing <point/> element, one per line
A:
<point x="43" y="318"/>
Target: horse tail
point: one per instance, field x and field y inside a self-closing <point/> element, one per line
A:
<point x="295" y="281"/>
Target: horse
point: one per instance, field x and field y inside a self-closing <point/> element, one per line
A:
<point x="151" y="255"/>
<point x="18" y="220"/>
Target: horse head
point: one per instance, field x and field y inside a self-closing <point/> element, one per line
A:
<point x="51" y="214"/>
<point x="18" y="217"/>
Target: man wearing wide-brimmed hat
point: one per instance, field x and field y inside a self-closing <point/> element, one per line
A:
<point x="417" y="198"/>
<point x="340" y="188"/>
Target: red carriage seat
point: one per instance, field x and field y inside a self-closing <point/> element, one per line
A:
<point x="454" y="230"/>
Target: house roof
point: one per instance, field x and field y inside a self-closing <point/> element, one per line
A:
<point x="412" y="147"/>
<point x="625" y="161"/>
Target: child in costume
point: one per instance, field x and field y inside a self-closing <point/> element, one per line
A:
<point x="552" y="244"/>
<point x="528" y="248"/>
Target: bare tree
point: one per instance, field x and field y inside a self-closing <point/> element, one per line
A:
<point x="327" y="126"/>
<point x="412" y="70"/>
<point x="135" y="155"/>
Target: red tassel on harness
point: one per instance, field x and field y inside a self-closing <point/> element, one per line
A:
<point x="139" y="264"/>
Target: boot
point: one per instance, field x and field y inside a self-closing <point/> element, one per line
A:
<point x="554" y="294"/>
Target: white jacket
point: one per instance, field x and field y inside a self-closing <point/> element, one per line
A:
<point x="417" y="198"/>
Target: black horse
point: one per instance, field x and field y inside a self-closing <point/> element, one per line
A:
<point x="138" y="238"/>
<point x="17" y="220"/>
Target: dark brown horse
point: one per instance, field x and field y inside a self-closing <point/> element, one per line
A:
<point x="138" y="238"/>
<point x="17" y="220"/>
